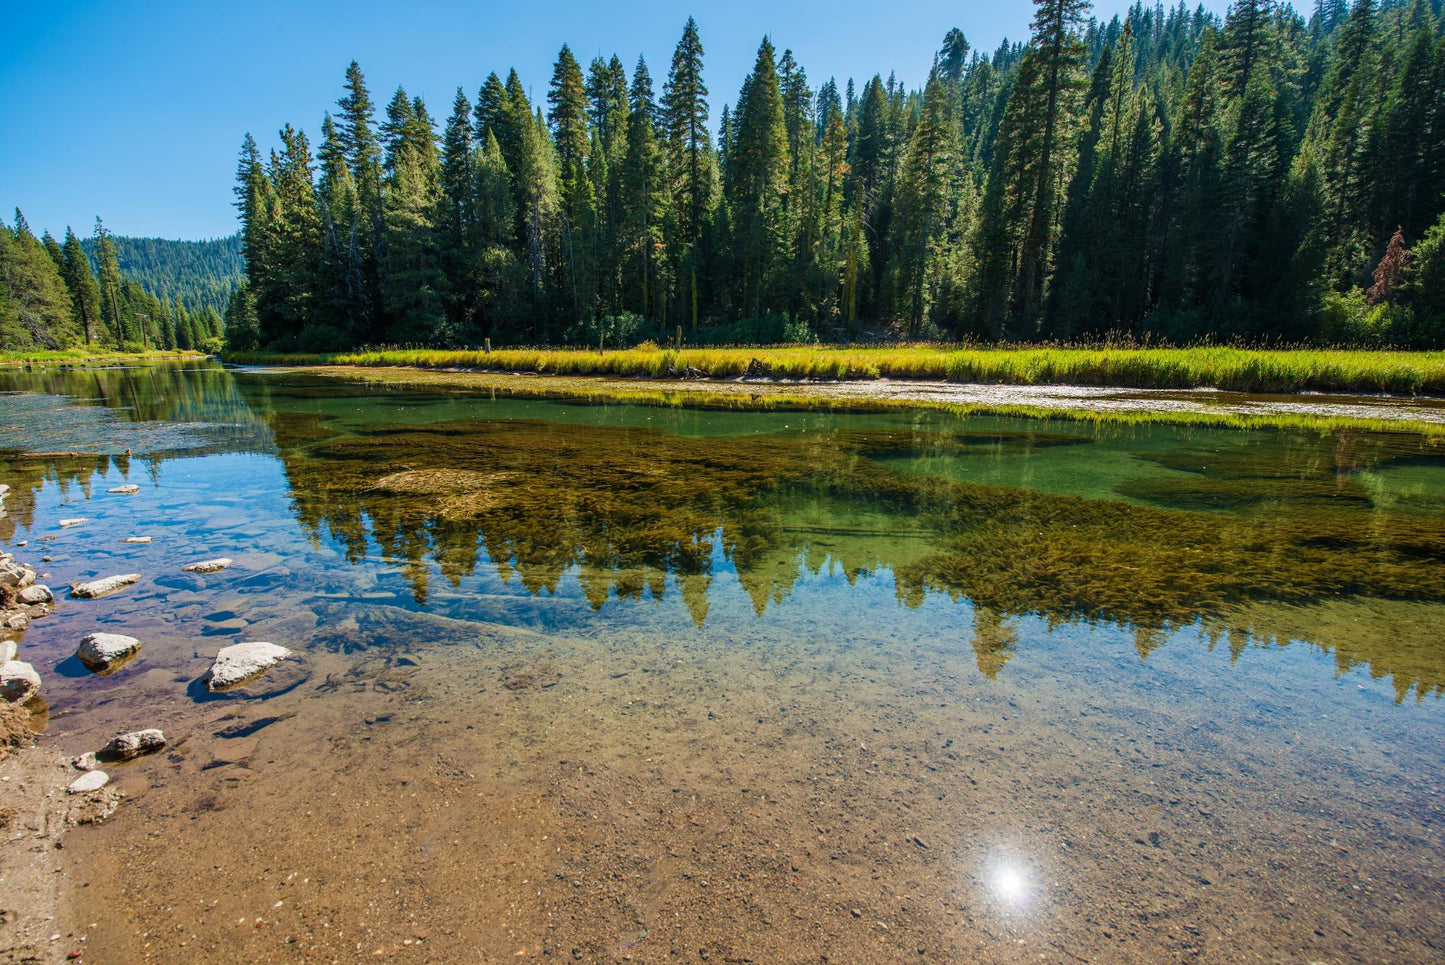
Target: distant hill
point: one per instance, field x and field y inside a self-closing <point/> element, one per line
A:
<point x="202" y="274"/>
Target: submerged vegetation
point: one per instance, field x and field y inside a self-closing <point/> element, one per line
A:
<point x="1219" y="367"/>
<point x="638" y="511"/>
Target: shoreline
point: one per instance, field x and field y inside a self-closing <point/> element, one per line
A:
<point x="1199" y="406"/>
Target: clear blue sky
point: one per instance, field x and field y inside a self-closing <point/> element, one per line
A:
<point x="135" y="110"/>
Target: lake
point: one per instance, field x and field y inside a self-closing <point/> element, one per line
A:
<point x="655" y="683"/>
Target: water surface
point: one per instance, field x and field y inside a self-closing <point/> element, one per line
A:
<point x="614" y="680"/>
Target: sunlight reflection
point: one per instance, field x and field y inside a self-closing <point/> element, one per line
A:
<point x="1008" y="881"/>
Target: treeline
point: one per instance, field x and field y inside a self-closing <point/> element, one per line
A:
<point x="198" y="274"/>
<point x="1169" y="176"/>
<point x="51" y="298"/>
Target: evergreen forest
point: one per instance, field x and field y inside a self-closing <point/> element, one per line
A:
<point x="199" y="274"/>
<point x="72" y="293"/>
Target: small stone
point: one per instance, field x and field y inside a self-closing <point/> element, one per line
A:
<point x="8" y="650"/>
<point x="90" y="781"/>
<point x="127" y="489"/>
<point x="36" y="594"/>
<point x="88" y="761"/>
<point x="18" y="681"/>
<point x="136" y="539"/>
<point x="95" y="588"/>
<point x="237" y="664"/>
<point x="207" y="566"/>
<point x="18" y="620"/>
<point x="75" y="521"/>
<point x="102" y="652"/>
<point x="123" y="747"/>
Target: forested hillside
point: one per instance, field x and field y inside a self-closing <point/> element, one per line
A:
<point x="51" y="298"/>
<point x="200" y="274"/>
<point x="1269" y="176"/>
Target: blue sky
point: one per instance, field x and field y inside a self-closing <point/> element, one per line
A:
<point x="135" y="111"/>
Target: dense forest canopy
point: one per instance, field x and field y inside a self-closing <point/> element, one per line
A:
<point x="198" y="274"/>
<point x="53" y="295"/>
<point x="1168" y="175"/>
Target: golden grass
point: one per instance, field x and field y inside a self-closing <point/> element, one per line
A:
<point x="71" y="356"/>
<point x="1236" y="369"/>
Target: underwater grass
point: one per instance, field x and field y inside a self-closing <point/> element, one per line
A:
<point x="1220" y="367"/>
<point x="793" y="396"/>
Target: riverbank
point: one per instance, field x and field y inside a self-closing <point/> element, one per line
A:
<point x="1091" y="403"/>
<point x="80" y="356"/>
<point x="1228" y="369"/>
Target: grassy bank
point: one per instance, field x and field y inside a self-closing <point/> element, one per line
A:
<point x="1236" y="369"/>
<point x="73" y="356"/>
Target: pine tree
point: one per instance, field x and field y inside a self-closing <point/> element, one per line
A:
<point x="108" y="270"/>
<point x="758" y="180"/>
<point x="685" y="114"/>
<point x="38" y="310"/>
<point x="84" y="293"/>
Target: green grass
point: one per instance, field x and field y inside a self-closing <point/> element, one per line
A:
<point x="73" y="355"/>
<point x="1235" y="369"/>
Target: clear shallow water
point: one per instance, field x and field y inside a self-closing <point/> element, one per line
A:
<point x="1003" y="688"/>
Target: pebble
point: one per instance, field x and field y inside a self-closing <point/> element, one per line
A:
<point x="207" y="566"/>
<point x="136" y="539"/>
<point x="87" y="782"/>
<point x="95" y="588"/>
<point x="18" y="680"/>
<point x="75" y="521"/>
<point x="123" y="747"/>
<point x="100" y="651"/>
<point x="128" y="489"/>
<point x="240" y="662"/>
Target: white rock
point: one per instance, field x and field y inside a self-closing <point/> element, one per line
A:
<point x="95" y="588"/>
<point x="99" y="651"/>
<point x="128" y="489"/>
<point x="91" y="781"/>
<point x="18" y="620"/>
<point x="76" y="521"/>
<point x="18" y="680"/>
<point x="123" y="747"/>
<point x="8" y="650"/>
<point x="136" y="539"/>
<point x="85" y="762"/>
<point x="27" y="577"/>
<point x="4" y="490"/>
<point x="38" y="593"/>
<point x="11" y="573"/>
<point x="243" y="661"/>
<point x="208" y="566"/>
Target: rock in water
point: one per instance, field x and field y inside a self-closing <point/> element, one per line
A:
<point x="123" y="747"/>
<point x="18" y="681"/>
<point x="33" y="595"/>
<point x="8" y="650"/>
<point x="208" y="566"/>
<point x="95" y="588"/>
<point x="103" y="652"/>
<point x="86" y="762"/>
<point x="128" y="489"/>
<point x="237" y="664"/>
<point x="76" y="521"/>
<point x="136" y="539"/>
<point x="11" y="573"/>
<point x="90" y="781"/>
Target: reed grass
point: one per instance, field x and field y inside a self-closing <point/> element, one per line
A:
<point x="69" y="356"/>
<point x="1219" y="367"/>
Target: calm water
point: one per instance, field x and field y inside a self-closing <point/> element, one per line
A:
<point x="781" y="685"/>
